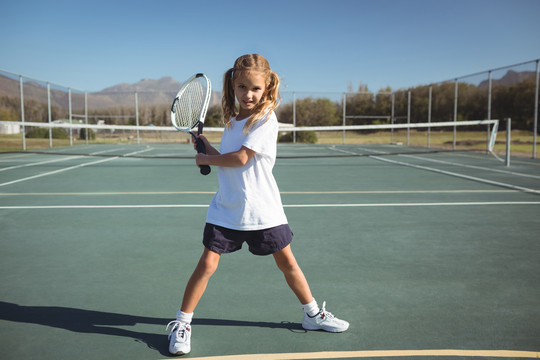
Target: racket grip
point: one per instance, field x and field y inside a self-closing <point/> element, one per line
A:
<point x="205" y="169"/>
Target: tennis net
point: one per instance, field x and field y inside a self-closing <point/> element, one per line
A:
<point x="476" y="135"/>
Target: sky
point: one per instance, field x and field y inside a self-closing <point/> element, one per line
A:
<point x="314" y="46"/>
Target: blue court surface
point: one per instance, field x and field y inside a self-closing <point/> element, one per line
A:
<point x="427" y="255"/>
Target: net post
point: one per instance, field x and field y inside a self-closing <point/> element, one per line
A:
<point x="508" y="140"/>
<point x="22" y="112"/>
<point x="489" y="106"/>
<point x="488" y="138"/>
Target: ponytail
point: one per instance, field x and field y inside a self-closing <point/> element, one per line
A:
<point x="228" y="101"/>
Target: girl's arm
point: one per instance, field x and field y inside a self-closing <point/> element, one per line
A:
<point x="232" y="159"/>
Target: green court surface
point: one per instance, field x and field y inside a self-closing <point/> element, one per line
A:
<point x="427" y="256"/>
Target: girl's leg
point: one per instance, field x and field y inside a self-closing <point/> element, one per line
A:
<point x="293" y="274"/>
<point x="199" y="280"/>
<point x="314" y="318"/>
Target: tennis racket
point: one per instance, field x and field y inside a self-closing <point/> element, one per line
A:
<point x="189" y="109"/>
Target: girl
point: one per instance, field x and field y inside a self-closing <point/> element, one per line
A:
<point x="247" y="207"/>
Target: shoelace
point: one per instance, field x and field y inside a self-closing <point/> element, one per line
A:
<point x="177" y="325"/>
<point x="324" y="313"/>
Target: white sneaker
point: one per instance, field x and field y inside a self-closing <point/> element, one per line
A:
<point x="180" y="338"/>
<point x="324" y="320"/>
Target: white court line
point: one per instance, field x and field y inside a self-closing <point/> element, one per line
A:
<point x="55" y="160"/>
<point x="40" y="163"/>
<point x="478" y="203"/>
<point x="56" y="171"/>
<point x="106" y="151"/>
<point x="336" y="192"/>
<point x="474" y="178"/>
<point x="455" y="164"/>
<point x="8" y="158"/>
<point x="486" y="181"/>
<point x="101" y="206"/>
<point x="471" y="166"/>
<point x="69" y="168"/>
<point x="111" y="193"/>
<point x="472" y="203"/>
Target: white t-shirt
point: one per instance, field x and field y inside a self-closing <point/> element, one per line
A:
<point x="248" y="197"/>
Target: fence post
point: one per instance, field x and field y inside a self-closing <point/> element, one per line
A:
<point x="86" y="115"/>
<point x="429" y="117"/>
<point x="408" y="117"/>
<point x="22" y="112"/>
<point x="70" y="118"/>
<point x="393" y="118"/>
<point x="344" y="115"/>
<point x="455" y="113"/>
<point x="137" y="115"/>
<point x="508" y="140"/>
<point x="535" y="111"/>
<point x="294" y="116"/>
<point x="49" y="113"/>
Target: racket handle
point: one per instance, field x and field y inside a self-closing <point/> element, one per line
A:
<point x="205" y="169"/>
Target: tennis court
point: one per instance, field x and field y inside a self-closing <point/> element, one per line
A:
<point x="428" y="256"/>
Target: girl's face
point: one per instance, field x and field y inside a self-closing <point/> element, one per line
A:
<point x="249" y="88"/>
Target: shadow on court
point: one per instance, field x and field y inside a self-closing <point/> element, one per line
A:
<point x="98" y="322"/>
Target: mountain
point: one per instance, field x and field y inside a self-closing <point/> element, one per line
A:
<point x="150" y="92"/>
<point x="510" y="78"/>
<point x="164" y="84"/>
<point x="9" y="87"/>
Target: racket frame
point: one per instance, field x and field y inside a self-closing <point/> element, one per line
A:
<point x="205" y="169"/>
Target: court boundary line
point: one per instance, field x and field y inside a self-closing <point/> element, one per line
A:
<point x="69" y="157"/>
<point x="450" y="173"/>
<point x="55" y="172"/>
<point x="463" y="176"/>
<point x="66" y="169"/>
<point x="332" y="192"/>
<point x="479" y="203"/>
<point x="377" y="353"/>
<point x="471" y="166"/>
<point x="39" y="163"/>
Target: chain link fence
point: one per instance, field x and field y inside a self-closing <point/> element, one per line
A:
<point x="507" y="92"/>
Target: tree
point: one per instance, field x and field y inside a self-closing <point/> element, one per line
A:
<point x="383" y="102"/>
<point x="311" y="112"/>
<point x="213" y="116"/>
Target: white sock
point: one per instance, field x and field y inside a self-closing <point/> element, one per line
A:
<point x="311" y="308"/>
<point x="184" y="317"/>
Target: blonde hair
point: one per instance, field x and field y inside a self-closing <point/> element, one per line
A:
<point x="270" y="99"/>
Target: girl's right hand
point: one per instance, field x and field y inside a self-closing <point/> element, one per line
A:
<point x="203" y="139"/>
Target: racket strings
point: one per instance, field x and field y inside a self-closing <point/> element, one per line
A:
<point x="190" y="104"/>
